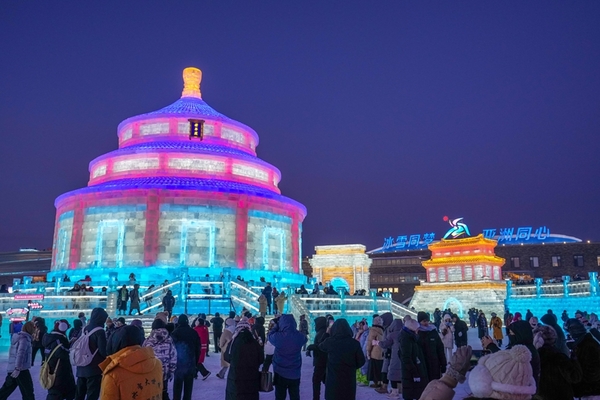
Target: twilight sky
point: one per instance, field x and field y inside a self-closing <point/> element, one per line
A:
<point x="382" y="116"/>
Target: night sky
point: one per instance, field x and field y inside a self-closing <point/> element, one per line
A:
<point x="382" y="116"/>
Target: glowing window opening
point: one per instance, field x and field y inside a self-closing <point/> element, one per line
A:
<point x="154" y="129"/>
<point x="99" y="171"/>
<point x="265" y="242"/>
<point x="230" y="134"/>
<point x="127" y="134"/>
<point x="197" y="164"/>
<point x="199" y="224"/>
<point x="120" y="225"/>
<point x="135" y="164"/>
<point x="250" y="172"/>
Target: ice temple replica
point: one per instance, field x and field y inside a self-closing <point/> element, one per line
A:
<point x="184" y="194"/>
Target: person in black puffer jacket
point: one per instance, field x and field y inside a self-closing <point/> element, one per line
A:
<point x="558" y="372"/>
<point x="89" y="377"/>
<point x="65" y="381"/>
<point x="586" y="351"/>
<point x="187" y="343"/>
<point x="258" y="330"/>
<point x="75" y="332"/>
<point x="344" y="357"/>
<point x="320" y="357"/>
<point x="40" y="330"/>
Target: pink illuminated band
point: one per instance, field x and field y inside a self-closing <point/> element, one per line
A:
<point x="255" y="172"/>
<point x="160" y="129"/>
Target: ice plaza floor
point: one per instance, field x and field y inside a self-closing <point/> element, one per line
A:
<point x="214" y="388"/>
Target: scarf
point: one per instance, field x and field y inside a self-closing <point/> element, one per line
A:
<point x="243" y="324"/>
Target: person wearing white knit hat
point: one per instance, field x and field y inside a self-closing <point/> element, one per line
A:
<point x="504" y="375"/>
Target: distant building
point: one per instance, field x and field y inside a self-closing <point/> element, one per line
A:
<point x="27" y="262"/>
<point x="344" y="266"/>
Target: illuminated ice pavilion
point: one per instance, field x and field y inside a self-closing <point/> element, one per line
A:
<point x="185" y="191"/>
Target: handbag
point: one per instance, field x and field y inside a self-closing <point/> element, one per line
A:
<point x="266" y="381"/>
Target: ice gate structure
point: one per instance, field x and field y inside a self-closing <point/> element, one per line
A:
<point x="184" y="194"/>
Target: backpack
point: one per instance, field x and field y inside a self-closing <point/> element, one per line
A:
<point x="81" y="354"/>
<point x="47" y="378"/>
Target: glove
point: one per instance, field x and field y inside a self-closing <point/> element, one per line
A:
<point x="460" y="362"/>
<point x="15" y="373"/>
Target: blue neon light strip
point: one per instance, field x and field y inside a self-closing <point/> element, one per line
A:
<point x="185" y="226"/>
<point x="270" y="216"/>
<point x="66" y="215"/>
<point x="120" y="224"/>
<point x="115" y="209"/>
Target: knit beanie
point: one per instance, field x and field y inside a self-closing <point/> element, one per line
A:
<point x="411" y="325"/>
<point x="158" y="323"/>
<point x="422" y="316"/>
<point x="505" y="375"/>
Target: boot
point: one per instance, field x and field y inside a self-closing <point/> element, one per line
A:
<point x="394" y="394"/>
<point x="382" y="388"/>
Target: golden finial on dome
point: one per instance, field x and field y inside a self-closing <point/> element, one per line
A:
<point x="191" y="82"/>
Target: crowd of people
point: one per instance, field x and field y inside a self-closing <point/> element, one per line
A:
<point x="410" y="358"/>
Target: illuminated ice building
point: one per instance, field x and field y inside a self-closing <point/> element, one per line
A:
<point x="184" y="195"/>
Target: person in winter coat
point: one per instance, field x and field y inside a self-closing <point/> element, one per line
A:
<point x="432" y="347"/>
<point x="482" y="326"/>
<point x="344" y="357"/>
<point x="561" y="340"/>
<point x="519" y="333"/>
<point x="387" y="319"/>
<point x="528" y="315"/>
<point x="443" y="388"/>
<point x="122" y="299"/>
<point x="164" y="349"/>
<point x="414" y="369"/>
<point x="38" y="336"/>
<point x="361" y="337"/>
<point x="375" y="353"/>
<point x="19" y="363"/>
<point x="557" y="371"/>
<point x="75" y="332"/>
<point x="202" y="332"/>
<point x="392" y="344"/>
<point x="168" y="302"/>
<point x="217" y="323"/>
<point x="319" y="356"/>
<point x="518" y="317"/>
<point x="64" y="381"/>
<point x="287" y="360"/>
<point x="226" y="336"/>
<point x="268" y="292"/>
<point x="447" y="335"/>
<point x="133" y="372"/>
<point x="245" y="355"/>
<point x="262" y="305"/>
<point x="89" y="377"/>
<point x="269" y="349"/>
<point x="258" y="330"/>
<point x="280" y="301"/>
<point x="460" y="331"/>
<point x="586" y="351"/>
<point x="134" y="298"/>
<point x="187" y="343"/>
<point x="303" y="328"/>
<point x="496" y="325"/>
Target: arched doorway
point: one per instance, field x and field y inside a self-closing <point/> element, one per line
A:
<point x="453" y="303"/>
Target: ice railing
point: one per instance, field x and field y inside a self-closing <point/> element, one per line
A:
<point x="244" y="296"/>
<point x="566" y="288"/>
<point x="351" y="307"/>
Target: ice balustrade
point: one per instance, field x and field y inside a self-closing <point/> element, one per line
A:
<point x="244" y="296"/>
<point x="540" y="297"/>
